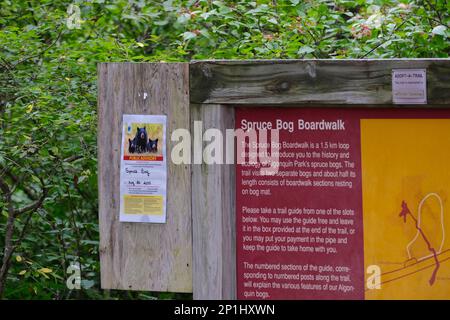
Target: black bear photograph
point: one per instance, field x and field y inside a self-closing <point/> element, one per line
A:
<point x="143" y="139"/>
<point x="132" y="145"/>
<point x="152" y="145"/>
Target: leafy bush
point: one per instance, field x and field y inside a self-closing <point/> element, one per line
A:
<point x="48" y="168"/>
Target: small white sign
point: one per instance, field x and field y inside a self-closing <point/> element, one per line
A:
<point x="143" y="169"/>
<point x="409" y="86"/>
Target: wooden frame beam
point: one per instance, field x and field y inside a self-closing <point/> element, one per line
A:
<point x="310" y="82"/>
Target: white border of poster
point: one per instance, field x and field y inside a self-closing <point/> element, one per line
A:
<point x="143" y="169"/>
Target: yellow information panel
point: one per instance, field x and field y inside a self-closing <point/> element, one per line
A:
<point x="152" y="205"/>
<point x="405" y="188"/>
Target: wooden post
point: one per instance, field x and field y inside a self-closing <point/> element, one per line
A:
<point x="213" y="214"/>
<point x="142" y="256"/>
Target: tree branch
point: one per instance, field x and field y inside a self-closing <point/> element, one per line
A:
<point x="384" y="41"/>
<point x="72" y="158"/>
<point x="9" y="231"/>
<point x="10" y="245"/>
<point x="4" y="187"/>
<point x="30" y="192"/>
<point x="42" y="51"/>
<point x="32" y="206"/>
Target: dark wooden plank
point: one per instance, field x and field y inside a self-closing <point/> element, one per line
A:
<point x="310" y="82"/>
<point x="142" y="256"/>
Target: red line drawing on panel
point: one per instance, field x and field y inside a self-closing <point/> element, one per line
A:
<point x="414" y="265"/>
<point x="434" y="253"/>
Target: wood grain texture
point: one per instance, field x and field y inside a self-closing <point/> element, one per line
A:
<point x="142" y="256"/>
<point x="310" y="82"/>
<point x="213" y="215"/>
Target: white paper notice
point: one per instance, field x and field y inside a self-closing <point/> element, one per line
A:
<point x="143" y="169"/>
<point x="409" y="86"/>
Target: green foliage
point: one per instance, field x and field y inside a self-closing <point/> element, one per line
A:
<point x="48" y="97"/>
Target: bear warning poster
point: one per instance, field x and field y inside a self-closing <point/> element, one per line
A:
<point x="143" y="169"/>
<point x="358" y="207"/>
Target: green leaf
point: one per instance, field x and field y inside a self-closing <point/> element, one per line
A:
<point x="189" y="35"/>
<point x="305" y="50"/>
<point x="273" y="20"/>
<point x="29" y="108"/>
<point x="440" y="30"/>
<point x="55" y="150"/>
<point x="87" y="284"/>
<point x="161" y="22"/>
